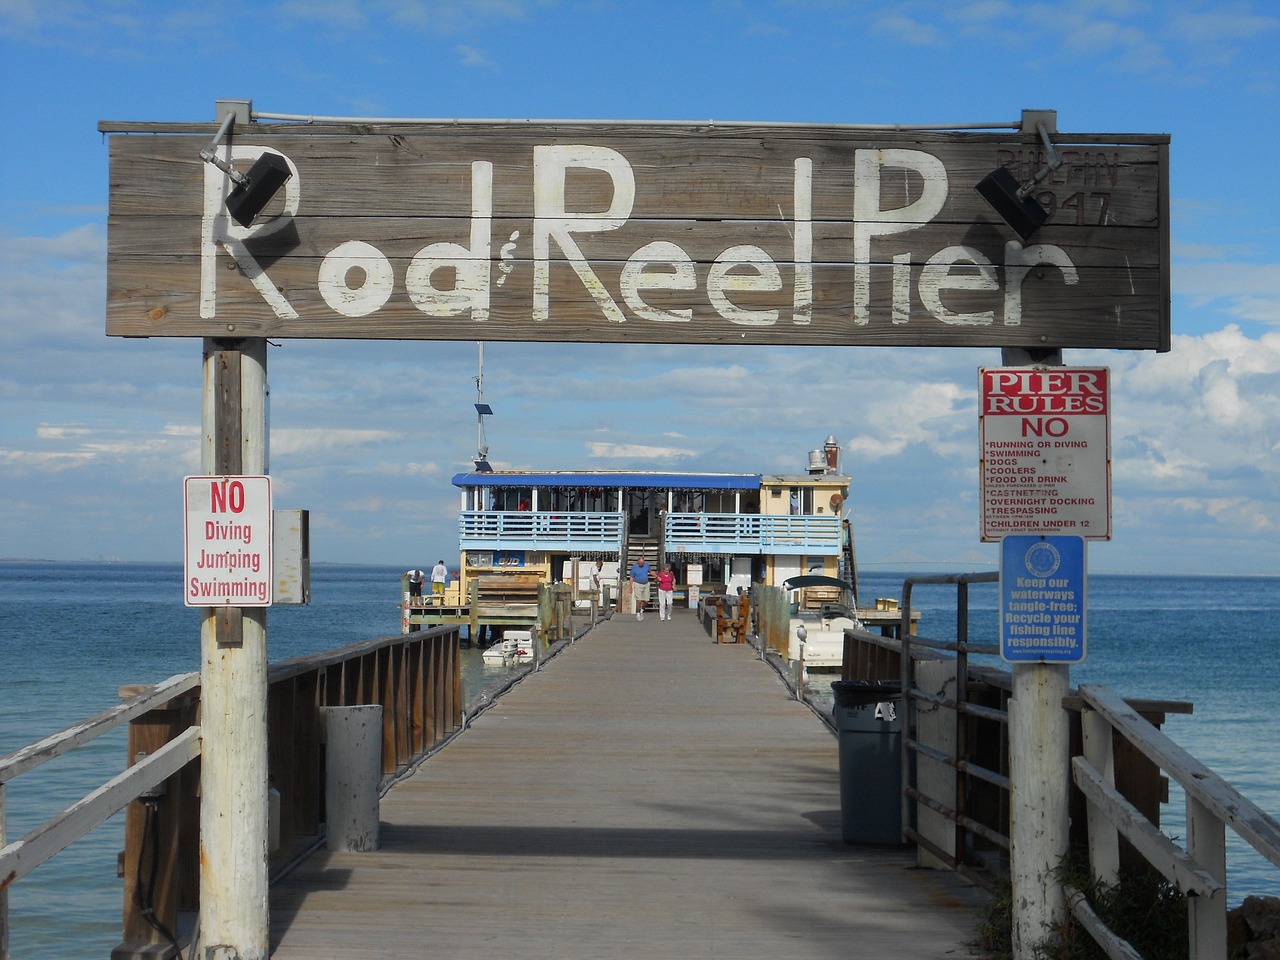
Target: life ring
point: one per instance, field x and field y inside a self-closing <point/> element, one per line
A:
<point x="836" y="500"/>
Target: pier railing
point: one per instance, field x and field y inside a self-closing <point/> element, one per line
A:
<point x="738" y="533"/>
<point x="1199" y="871"/>
<point x="145" y="777"/>
<point x="955" y="777"/>
<point x="416" y="679"/>
<point x="541" y="530"/>
<point x="753" y="534"/>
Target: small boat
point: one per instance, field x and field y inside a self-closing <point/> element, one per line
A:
<point x="516" y="646"/>
<point x="822" y="608"/>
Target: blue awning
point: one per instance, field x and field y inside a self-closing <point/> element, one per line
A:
<point x="662" y="481"/>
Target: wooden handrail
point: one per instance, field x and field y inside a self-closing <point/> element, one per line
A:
<point x="1106" y="718"/>
<point x="55" y="745"/>
<point x="416" y="678"/>
<point x="1226" y="802"/>
<point x="53" y="836"/>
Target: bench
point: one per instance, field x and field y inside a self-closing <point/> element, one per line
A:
<point x="733" y="629"/>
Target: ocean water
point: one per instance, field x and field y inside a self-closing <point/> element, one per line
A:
<point x="72" y="634"/>
<point x="1213" y="641"/>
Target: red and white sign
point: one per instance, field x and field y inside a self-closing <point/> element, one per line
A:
<point x="227" y="542"/>
<point x="1046" y="451"/>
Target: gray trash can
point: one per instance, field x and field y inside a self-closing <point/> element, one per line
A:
<point x="868" y="715"/>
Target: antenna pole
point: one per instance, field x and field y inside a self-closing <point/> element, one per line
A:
<point x="481" y="453"/>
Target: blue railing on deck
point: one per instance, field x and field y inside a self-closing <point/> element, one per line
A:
<point x="527" y="530"/>
<point x="727" y="533"/>
<point x="742" y="533"/>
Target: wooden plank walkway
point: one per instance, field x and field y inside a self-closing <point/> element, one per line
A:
<point x="647" y="794"/>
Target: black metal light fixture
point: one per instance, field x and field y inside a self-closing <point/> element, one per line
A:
<point x="252" y="190"/>
<point x="1012" y="200"/>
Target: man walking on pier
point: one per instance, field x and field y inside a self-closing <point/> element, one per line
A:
<point x="640" y="586"/>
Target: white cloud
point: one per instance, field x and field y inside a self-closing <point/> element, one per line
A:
<point x="635" y="451"/>
<point x="310" y="441"/>
<point x="21" y="463"/>
<point x="470" y="56"/>
<point x="59" y="432"/>
<point x="906" y="29"/>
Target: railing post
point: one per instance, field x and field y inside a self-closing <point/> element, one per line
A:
<point x="905" y="678"/>
<point x="152" y="837"/>
<point x="4" y="891"/>
<point x="1207" y="916"/>
<point x="1104" y="839"/>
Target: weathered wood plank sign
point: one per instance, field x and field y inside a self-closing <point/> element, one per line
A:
<point x="645" y="233"/>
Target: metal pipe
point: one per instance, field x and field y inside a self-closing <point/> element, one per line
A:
<point x="461" y="121"/>
<point x="1053" y="161"/>
<point x="209" y="153"/>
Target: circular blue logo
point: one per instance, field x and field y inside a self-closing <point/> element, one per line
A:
<point x="1042" y="559"/>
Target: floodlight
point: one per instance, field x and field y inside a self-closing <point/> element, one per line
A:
<point x="1012" y="200"/>
<point x="1001" y="189"/>
<point x="254" y="190"/>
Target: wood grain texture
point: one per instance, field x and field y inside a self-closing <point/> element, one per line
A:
<point x="836" y="210"/>
<point x="647" y="794"/>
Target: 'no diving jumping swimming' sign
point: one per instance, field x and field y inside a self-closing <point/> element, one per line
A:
<point x="227" y="540"/>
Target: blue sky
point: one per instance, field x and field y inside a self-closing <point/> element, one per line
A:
<point x="97" y="433"/>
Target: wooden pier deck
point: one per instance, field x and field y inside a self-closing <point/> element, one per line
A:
<point x="646" y="794"/>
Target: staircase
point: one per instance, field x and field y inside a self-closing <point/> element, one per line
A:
<point x="638" y="547"/>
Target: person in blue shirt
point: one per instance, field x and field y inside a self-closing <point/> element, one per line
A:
<point x="640" y="586"/>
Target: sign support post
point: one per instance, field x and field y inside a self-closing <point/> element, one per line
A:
<point x="1039" y="764"/>
<point x="233" y="680"/>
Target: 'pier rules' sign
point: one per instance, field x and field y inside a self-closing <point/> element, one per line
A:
<point x="1046" y="457"/>
<point x="227" y="542"/>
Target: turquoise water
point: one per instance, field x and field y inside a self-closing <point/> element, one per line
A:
<point x="72" y="634"/>
<point x="1213" y="641"/>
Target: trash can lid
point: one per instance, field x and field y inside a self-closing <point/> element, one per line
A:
<point x="861" y="693"/>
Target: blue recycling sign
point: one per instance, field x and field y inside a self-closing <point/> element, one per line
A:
<point x="1042" y="599"/>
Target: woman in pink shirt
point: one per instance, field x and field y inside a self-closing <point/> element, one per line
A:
<point x="666" y="592"/>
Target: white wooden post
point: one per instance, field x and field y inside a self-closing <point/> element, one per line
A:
<point x="1104" y="839"/>
<point x="1207" y="916"/>
<point x="1039" y="775"/>
<point x="1039" y="758"/>
<point x="4" y="891"/>
<point x="233" y="679"/>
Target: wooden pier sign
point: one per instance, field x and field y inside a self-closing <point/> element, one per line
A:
<point x="659" y="233"/>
